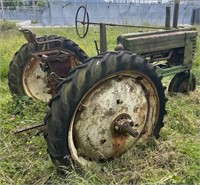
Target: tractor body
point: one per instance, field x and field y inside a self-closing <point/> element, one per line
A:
<point x="171" y="51"/>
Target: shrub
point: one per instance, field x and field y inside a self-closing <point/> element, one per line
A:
<point x="7" y="25"/>
<point x="41" y="3"/>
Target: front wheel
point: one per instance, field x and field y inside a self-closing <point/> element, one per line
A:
<point x="181" y="83"/>
<point x="106" y="106"/>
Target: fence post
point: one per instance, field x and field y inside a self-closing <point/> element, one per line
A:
<point x="2" y="10"/>
<point x="34" y="10"/>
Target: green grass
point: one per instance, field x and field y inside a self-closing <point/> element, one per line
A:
<point x="172" y="159"/>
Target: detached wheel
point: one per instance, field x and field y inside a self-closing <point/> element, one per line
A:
<point x="179" y="84"/>
<point x="106" y="106"/>
<point x="26" y="78"/>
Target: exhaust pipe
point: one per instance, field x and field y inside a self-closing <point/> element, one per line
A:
<point x="176" y="11"/>
<point x="168" y="17"/>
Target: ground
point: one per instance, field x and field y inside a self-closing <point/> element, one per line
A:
<point x="172" y="159"/>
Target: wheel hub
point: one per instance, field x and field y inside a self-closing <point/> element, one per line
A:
<point x="103" y="127"/>
<point x="123" y="125"/>
<point x="34" y="81"/>
<point x="40" y="84"/>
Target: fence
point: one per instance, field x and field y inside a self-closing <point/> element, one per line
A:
<point x="63" y="13"/>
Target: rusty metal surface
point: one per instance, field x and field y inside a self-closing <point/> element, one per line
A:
<point x="91" y="133"/>
<point x="53" y="53"/>
<point x="160" y="58"/>
<point x="34" y="81"/>
<point x="29" y="128"/>
<point x="103" y="38"/>
<point x="123" y="125"/>
<point x="31" y="38"/>
<point x="62" y="66"/>
<point x="45" y="71"/>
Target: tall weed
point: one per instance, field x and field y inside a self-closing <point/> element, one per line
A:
<point x="172" y="159"/>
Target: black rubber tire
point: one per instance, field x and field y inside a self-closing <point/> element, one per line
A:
<point x="81" y="80"/>
<point x="180" y="81"/>
<point x="23" y="57"/>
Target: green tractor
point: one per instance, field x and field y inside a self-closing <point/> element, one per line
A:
<point x="103" y="105"/>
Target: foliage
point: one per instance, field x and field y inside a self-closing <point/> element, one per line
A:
<point x="7" y="25"/>
<point x="41" y="3"/>
<point x="13" y="3"/>
<point x="37" y="2"/>
<point x="172" y="159"/>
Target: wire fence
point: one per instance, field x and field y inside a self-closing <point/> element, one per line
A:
<point x="31" y="3"/>
<point x="62" y="12"/>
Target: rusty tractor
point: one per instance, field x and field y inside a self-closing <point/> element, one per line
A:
<point x="103" y="105"/>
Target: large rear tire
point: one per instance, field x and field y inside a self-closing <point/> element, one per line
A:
<point x="26" y="78"/>
<point x="112" y="86"/>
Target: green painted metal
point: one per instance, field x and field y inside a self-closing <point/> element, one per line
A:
<point x="176" y="47"/>
<point x="170" y="71"/>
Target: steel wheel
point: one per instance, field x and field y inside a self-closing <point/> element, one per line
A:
<point x="93" y="133"/>
<point x="104" y="108"/>
<point x="26" y="78"/>
<point x="34" y="81"/>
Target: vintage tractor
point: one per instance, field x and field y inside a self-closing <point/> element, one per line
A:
<point x="102" y="106"/>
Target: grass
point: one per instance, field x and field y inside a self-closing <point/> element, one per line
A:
<point x="172" y="159"/>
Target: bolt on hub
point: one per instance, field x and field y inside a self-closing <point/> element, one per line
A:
<point x="123" y="125"/>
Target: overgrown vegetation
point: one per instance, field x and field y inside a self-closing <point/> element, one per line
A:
<point x="13" y="4"/>
<point x="172" y="159"/>
<point x="7" y="25"/>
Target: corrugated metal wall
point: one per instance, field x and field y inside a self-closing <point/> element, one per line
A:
<point x="63" y="13"/>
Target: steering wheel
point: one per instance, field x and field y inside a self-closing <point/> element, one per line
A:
<point x="82" y="21"/>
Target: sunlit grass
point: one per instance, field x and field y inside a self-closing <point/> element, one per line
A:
<point x="173" y="158"/>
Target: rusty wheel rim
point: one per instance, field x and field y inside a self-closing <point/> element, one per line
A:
<point x="34" y="81"/>
<point x="91" y="136"/>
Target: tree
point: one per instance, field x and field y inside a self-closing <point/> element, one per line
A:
<point x="40" y="3"/>
<point x="13" y="3"/>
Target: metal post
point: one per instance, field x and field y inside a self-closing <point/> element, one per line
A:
<point x="176" y="11"/>
<point x="103" y="39"/>
<point x="168" y="17"/>
<point x="2" y="10"/>
<point x="34" y="10"/>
